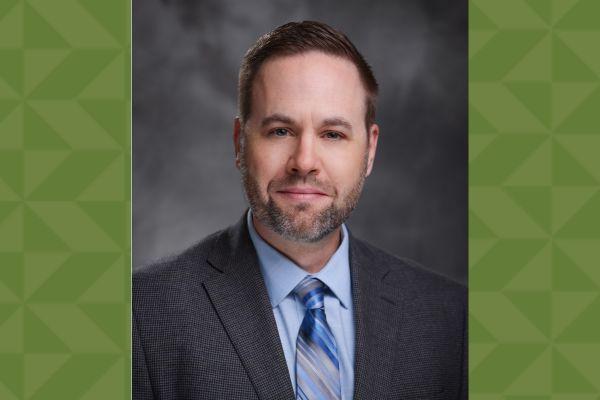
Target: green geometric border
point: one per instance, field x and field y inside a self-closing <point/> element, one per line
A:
<point x="64" y="199"/>
<point x="534" y="190"/>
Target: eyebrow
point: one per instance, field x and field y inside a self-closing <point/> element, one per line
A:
<point x="337" y="121"/>
<point x="284" y="119"/>
<point x="276" y="118"/>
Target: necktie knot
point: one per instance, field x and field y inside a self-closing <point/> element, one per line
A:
<point x="311" y="292"/>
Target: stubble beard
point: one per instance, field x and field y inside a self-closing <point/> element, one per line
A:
<point x="299" y="224"/>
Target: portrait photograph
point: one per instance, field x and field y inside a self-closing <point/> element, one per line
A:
<point x="299" y="199"/>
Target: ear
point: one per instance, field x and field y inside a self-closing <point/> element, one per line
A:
<point x="373" y="137"/>
<point x="237" y="131"/>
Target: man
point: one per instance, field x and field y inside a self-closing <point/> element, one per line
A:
<point x="287" y="303"/>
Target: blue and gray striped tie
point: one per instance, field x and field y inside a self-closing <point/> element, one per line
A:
<point x="317" y="365"/>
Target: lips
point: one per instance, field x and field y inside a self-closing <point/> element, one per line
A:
<point x="302" y="193"/>
<point x="300" y="190"/>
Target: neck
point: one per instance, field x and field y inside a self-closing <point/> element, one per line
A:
<point x="311" y="257"/>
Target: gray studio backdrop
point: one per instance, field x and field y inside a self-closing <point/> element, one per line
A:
<point x="186" y="56"/>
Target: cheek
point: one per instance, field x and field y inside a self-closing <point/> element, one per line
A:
<point x="265" y="164"/>
<point x="344" y="167"/>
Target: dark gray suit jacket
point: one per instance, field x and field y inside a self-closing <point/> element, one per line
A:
<point x="203" y="327"/>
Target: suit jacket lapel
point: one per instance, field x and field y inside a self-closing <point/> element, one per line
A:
<point x="375" y="325"/>
<point x="240" y="298"/>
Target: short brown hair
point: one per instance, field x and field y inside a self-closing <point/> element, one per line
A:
<point x="296" y="38"/>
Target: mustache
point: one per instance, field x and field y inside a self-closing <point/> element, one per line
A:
<point x="295" y="180"/>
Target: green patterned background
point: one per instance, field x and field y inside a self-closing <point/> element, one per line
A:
<point x="534" y="173"/>
<point x="534" y="199"/>
<point x="64" y="199"/>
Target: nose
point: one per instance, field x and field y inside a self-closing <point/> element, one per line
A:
<point x="304" y="159"/>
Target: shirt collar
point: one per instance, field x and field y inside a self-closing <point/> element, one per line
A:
<point x="282" y="275"/>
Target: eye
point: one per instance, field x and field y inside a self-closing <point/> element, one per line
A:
<point x="280" y="132"/>
<point x="333" y="135"/>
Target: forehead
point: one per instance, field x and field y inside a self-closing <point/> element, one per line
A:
<point x="312" y="82"/>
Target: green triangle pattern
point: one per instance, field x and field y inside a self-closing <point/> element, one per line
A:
<point x="6" y="6"/>
<point x="584" y="254"/>
<point x="478" y="20"/>
<point x="111" y="287"/>
<point x="534" y="379"/>
<point x="536" y="201"/>
<point x="585" y="119"/>
<point x="543" y="8"/>
<point x="584" y="329"/>
<point x="535" y="306"/>
<point x="567" y="171"/>
<point x="478" y="333"/>
<point x="111" y="115"/>
<point x="6" y="311"/>
<point x="6" y="208"/>
<point x="11" y="25"/>
<point x="11" y="272"/>
<point x="584" y="223"/>
<point x="534" y="66"/>
<point x="477" y="229"/>
<point x="567" y="276"/>
<point x="38" y="33"/>
<point x="583" y="16"/>
<point x="535" y="276"/>
<point x="75" y="72"/>
<point x="567" y="66"/>
<point x="11" y="68"/>
<point x="111" y="14"/>
<point x="75" y="276"/>
<point x="497" y="57"/>
<point x="11" y="366"/>
<point x="561" y="8"/>
<point x="534" y="78"/>
<point x="536" y="97"/>
<point x="39" y="338"/>
<point x="111" y="319"/>
<point x="64" y="132"/>
<point x="110" y="216"/>
<point x="566" y="378"/>
<point x="39" y="368"/>
<point x="11" y="329"/>
<point x="110" y="83"/>
<point x="500" y="368"/>
<point x="496" y="162"/>
<point x="478" y="124"/>
<point x="7" y="107"/>
<point x="567" y="306"/>
<point x="495" y="269"/>
<point x="75" y="376"/>
<point x="73" y="175"/>
<point x="39" y="236"/>
<point x="11" y="228"/>
<point x="11" y="129"/>
<point x="11" y="169"/>
<point x="113" y="378"/>
<point x="39" y="135"/>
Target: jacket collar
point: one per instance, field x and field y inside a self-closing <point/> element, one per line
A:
<point x="240" y="297"/>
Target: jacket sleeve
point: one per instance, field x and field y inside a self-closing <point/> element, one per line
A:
<point x="141" y="387"/>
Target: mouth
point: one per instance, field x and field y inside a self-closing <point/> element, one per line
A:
<point x="302" y="193"/>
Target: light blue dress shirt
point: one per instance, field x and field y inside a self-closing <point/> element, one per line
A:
<point x="281" y="276"/>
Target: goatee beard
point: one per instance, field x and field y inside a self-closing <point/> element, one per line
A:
<point x="300" y="224"/>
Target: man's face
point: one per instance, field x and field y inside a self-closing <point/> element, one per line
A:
<point x="304" y="153"/>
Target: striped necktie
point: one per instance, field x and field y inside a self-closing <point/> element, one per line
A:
<point x="317" y="365"/>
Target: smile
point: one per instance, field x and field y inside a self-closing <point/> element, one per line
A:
<point x="305" y="194"/>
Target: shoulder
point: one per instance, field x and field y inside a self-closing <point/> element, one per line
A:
<point x="404" y="274"/>
<point x="175" y="273"/>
